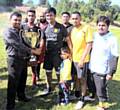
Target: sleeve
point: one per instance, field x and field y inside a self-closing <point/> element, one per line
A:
<point x="114" y="47"/>
<point x="10" y="39"/>
<point x="88" y="34"/>
<point x="113" y="61"/>
<point x="64" y="31"/>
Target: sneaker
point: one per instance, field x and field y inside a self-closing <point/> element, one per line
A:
<point x="46" y="92"/>
<point x="89" y="98"/>
<point x="100" y="108"/>
<point x="63" y="102"/>
<point x="35" y="86"/>
<point x="79" y="105"/>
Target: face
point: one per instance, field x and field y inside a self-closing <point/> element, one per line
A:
<point x="31" y="17"/>
<point x="50" y="17"/>
<point x="65" y="18"/>
<point x="102" y="28"/>
<point x="76" y="19"/>
<point x="64" y="55"/>
<point x="15" y="21"/>
<point x="42" y="18"/>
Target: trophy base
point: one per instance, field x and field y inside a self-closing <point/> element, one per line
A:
<point x="33" y="61"/>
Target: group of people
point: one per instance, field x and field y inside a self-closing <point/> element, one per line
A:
<point x="75" y="52"/>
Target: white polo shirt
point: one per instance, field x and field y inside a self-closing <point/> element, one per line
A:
<point x="104" y="47"/>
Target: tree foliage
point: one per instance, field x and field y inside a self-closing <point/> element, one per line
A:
<point x="91" y="9"/>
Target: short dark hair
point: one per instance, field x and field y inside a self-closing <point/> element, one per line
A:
<point x="51" y="9"/>
<point x="104" y="19"/>
<point x="65" y="12"/>
<point x="32" y="11"/>
<point x="77" y="12"/>
<point x="15" y="14"/>
<point x="65" y="49"/>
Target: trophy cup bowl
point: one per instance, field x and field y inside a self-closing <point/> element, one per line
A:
<point x="31" y="39"/>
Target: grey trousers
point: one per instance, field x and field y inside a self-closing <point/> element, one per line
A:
<point x="101" y="87"/>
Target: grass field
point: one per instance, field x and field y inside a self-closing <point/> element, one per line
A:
<point x="50" y="102"/>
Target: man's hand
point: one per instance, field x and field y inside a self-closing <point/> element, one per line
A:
<point x="80" y="64"/>
<point x="108" y="77"/>
<point x="36" y="51"/>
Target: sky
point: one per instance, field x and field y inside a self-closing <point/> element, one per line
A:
<point x="117" y="2"/>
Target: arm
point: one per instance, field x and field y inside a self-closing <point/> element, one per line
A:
<point x="69" y="42"/>
<point x="113" y="67"/>
<point x="113" y="61"/>
<point x="13" y="40"/>
<point x="85" y="53"/>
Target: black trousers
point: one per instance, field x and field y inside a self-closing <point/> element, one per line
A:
<point x="17" y="75"/>
<point x="91" y="83"/>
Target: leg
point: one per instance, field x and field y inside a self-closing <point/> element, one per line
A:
<point x="77" y="87"/>
<point x="48" y="78"/>
<point x="34" y="74"/>
<point x="101" y="89"/>
<point x="91" y="84"/>
<point x="83" y="87"/>
<point x="22" y="81"/>
<point x="65" y="89"/>
<point x="38" y="71"/>
<point x="13" y="78"/>
<point x="48" y="66"/>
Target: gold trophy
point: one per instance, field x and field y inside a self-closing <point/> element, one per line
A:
<point x="31" y="39"/>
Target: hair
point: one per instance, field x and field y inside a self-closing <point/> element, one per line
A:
<point x="104" y="19"/>
<point x="32" y="11"/>
<point x="65" y="49"/>
<point x="65" y="12"/>
<point x="15" y="14"/>
<point x="51" y="9"/>
<point x="76" y="12"/>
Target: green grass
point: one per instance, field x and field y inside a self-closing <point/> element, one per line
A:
<point x="50" y="102"/>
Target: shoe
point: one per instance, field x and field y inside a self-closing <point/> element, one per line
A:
<point x="89" y="98"/>
<point x="35" y="86"/>
<point x="79" y="105"/>
<point x="100" y="108"/>
<point x="46" y="92"/>
<point x="64" y="102"/>
<point x="77" y="94"/>
<point x="24" y="99"/>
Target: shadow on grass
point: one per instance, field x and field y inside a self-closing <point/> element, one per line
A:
<point x="49" y="102"/>
<point x="113" y="92"/>
<point x="4" y="69"/>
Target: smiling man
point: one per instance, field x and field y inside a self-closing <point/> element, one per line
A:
<point x="81" y="36"/>
<point x="54" y="35"/>
<point x="17" y="53"/>
<point x="104" y="58"/>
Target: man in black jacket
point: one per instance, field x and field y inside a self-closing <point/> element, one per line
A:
<point x="17" y="53"/>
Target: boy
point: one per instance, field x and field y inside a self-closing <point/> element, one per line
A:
<point x="65" y="76"/>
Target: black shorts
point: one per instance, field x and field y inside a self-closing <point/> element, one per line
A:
<point x="52" y="60"/>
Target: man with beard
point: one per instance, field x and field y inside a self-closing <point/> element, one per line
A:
<point x="31" y="31"/>
<point x="42" y="25"/>
<point x="17" y="53"/>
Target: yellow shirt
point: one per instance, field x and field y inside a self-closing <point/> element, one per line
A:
<point x="65" y="70"/>
<point x="80" y="37"/>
